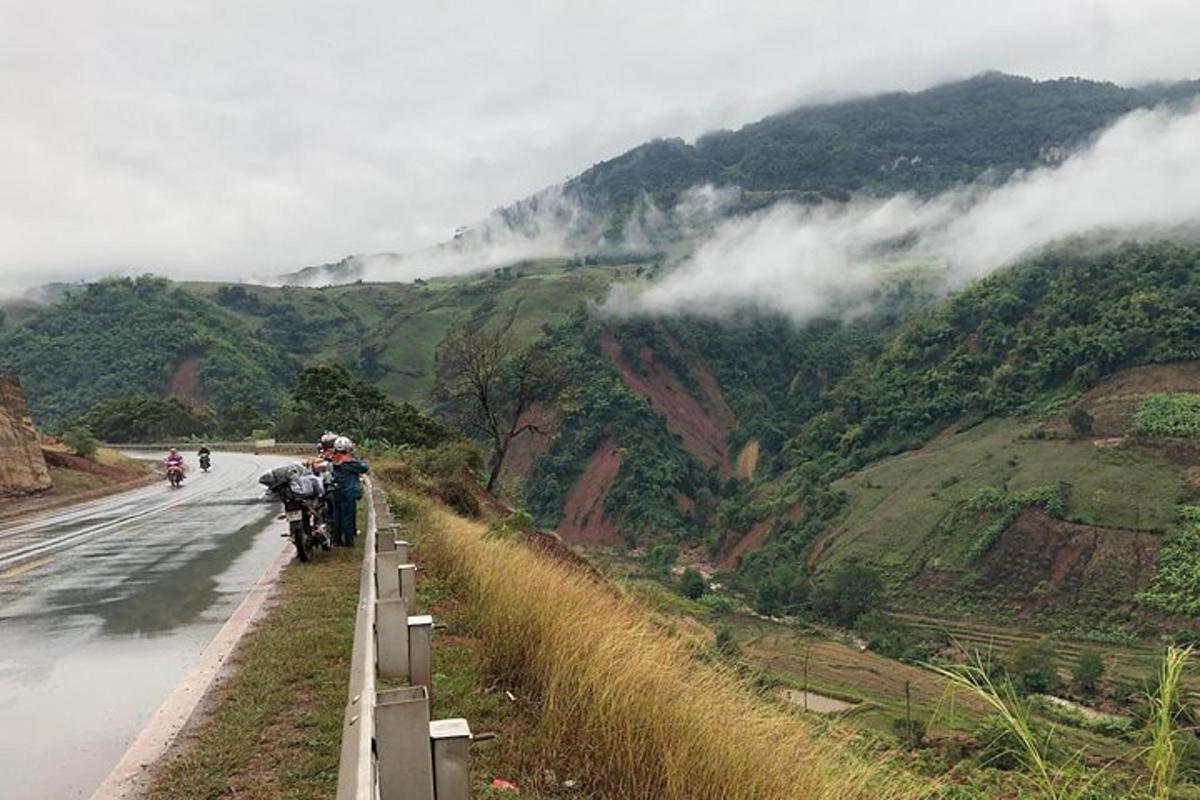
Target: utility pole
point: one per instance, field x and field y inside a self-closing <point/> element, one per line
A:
<point x="807" y="654"/>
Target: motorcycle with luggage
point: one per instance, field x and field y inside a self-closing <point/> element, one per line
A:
<point x="303" y="498"/>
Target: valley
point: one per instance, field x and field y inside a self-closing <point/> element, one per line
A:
<point x="828" y="504"/>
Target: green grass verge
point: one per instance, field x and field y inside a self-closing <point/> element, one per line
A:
<point x="276" y="724"/>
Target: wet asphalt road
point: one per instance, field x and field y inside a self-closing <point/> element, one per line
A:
<point x="96" y="630"/>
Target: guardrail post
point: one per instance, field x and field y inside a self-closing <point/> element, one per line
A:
<point x="402" y="743"/>
<point x="408" y="585"/>
<point x="420" y="651"/>
<point x="402" y="551"/>
<point x="451" y="742"/>
<point x="387" y="538"/>
<point x="387" y="574"/>
<point x="391" y="636"/>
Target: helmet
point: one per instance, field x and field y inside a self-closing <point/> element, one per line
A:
<point x="343" y="444"/>
<point x="328" y="439"/>
<point x="174" y="450"/>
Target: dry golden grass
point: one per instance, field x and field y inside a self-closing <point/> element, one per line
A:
<point x="633" y="712"/>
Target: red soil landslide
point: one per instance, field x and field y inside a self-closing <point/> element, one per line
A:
<point x="754" y="539"/>
<point x="182" y="384"/>
<point x="583" y="519"/>
<point x="703" y="427"/>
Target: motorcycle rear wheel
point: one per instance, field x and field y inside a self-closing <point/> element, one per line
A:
<point x="300" y="539"/>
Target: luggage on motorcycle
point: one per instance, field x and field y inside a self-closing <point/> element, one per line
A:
<point x="308" y="487"/>
<point x="280" y="475"/>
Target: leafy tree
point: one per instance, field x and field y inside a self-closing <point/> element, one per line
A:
<point x="662" y="556"/>
<point x="490" y="382"/>
<point x="145" y="418"/>
<point x="1088" y="671"/>
<point x="692" y="584"/>
<point x="328" y="397"/>
<point x="81" y="441"/>
<point x="1081" y="421"/>
<point x="851" y="591"/>
<point x="1031" y="667"/>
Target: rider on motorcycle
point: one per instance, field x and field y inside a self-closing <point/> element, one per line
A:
<point x="174" y="459"/>
<point x="174" y="463"/>
<point x="205" y="456"/>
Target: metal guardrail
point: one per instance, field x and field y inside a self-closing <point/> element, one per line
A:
<point x="391" y="750"/>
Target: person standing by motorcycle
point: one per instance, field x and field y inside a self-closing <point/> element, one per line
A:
<point x="325" y="446"/>
<point x="347" y="476"/>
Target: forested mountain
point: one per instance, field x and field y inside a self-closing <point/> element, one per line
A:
<point x="115" y="338"/>
<point x="924" y="141"/>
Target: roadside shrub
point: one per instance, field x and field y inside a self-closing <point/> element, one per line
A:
<point x="692" y="584"/>
<point x="81" y="441"/>
<point x="460" y="496"/>
<point x="910" y="732"/>
<point x="726" y="643"/>
<point x="1031" y="667"/>
<point x="1081" y="421"/>
<point x="1087" y="671"/>
<point x="1176" y="414"/>
<point x="717" y="603"/>
<point x="850" y="592"/>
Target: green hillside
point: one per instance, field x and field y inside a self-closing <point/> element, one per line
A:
<point x="820" y="405"/>
<point x="388" y="333"/>
<point x="120" y="337"/>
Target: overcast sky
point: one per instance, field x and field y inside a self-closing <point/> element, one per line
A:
<point x="241" y="137"/>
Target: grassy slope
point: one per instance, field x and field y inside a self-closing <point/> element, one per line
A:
<point x="895" y="504"/>
<point x="625" y="706"/>
<point x="276" y="725"/>
<point x="408" y="321"/>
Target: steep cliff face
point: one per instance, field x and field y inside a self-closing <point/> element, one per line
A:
<point x="22" y="468"/>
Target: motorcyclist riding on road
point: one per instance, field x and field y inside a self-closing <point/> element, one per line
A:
<point x="175" y="467"/>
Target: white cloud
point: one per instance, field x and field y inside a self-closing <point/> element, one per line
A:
<point x="1140" y="177"/>
<point x="234" y="138"/>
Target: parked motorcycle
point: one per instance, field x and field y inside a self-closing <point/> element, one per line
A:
<point x="309" y="526"/>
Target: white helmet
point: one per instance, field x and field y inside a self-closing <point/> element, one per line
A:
<point x="343" y="444"/>
<point x="329" y="438"/>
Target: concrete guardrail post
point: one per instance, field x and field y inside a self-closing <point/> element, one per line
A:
<point x="387" y="538"/>
<point x="420" y="651"/>
<point x="387" y="574"/>
<point x="408" y="585"/>
<point x="402" y="551"/>
<point x="451" y="742"/>
<point x="402" y="744"/>
<point x="391" y="636"/>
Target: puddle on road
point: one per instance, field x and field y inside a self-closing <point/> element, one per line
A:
<point x="175" y="586"/>
<point x="817" y="703"/>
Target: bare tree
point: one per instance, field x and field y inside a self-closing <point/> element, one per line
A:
<point x="491" y="382"/>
